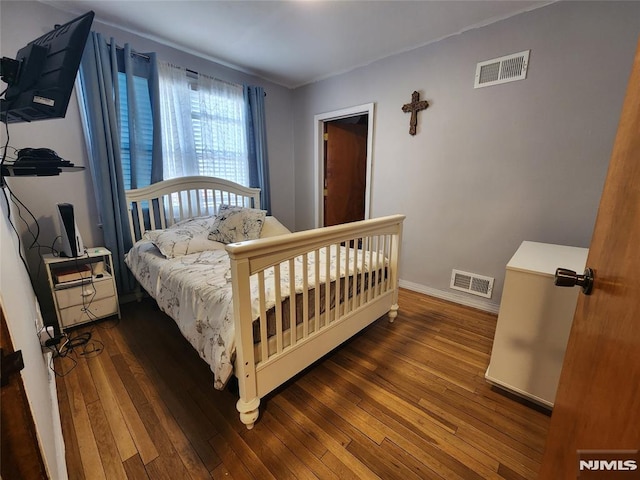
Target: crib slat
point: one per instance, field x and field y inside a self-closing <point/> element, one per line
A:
<point x="376" y="287"/>
<point x="180" y="207"/>
<point x="152" y="215"/>
<point x="189" y="204"/>
<point x="171" y="210"/>
<point x="278" y="307"/>
<point x="351" y="277"/>
<point x="132" y="229"/>
<point x="305" y="295"/>
<point x="354" y="280"/>
<point x="205" y="200"/>
<point x="162" y="211"/>
<point x="374" y="263"/>
<point x="337" y="315"/>
<point x="327" y="286"/>
<point x="140" y="217"/>
<point x="347" y="273"/>
<point x="292" y="302"/>
<point x="264" y="346"/>
<point x="211" y="202"/>
<point x="372" y="271"/>
<point x="387" y="254"/>
<point x="381" y="253"/>
<point x="363" y="278"/>
<point x="316" y="296"/>
<point x="198" y="205"/>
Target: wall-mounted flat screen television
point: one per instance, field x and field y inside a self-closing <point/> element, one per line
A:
<point x="40" y="79"/>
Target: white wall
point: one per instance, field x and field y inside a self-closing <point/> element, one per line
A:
<point x="23" y="21"/>
<point x="24" y="321"/>
<point x="488" y="167"/>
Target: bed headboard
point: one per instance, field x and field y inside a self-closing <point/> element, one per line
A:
<point x="165" y="203"/>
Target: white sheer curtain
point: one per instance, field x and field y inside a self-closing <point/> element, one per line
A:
<point x="204" y="126"/>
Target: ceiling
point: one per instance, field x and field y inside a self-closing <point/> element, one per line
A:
<point x="293" y="43"/>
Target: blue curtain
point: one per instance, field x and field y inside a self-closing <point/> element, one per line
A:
<point x="257" y="139"/>
<point x="100" y="100"/>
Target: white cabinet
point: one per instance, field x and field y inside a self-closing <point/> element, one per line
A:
<point x="534" y="321"/>
<point x="83" y="288"/>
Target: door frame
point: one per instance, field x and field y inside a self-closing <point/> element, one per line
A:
<point x="319" y="121"/>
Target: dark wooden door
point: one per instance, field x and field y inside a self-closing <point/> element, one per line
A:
<point x="597" y="406"/>
<point x="21" y="456"/>
<point x="345" y="173"/>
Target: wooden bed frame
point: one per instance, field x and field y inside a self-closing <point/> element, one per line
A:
<point x="262" y="364"/>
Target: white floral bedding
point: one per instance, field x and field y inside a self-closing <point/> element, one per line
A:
<point x="195" y="290"/>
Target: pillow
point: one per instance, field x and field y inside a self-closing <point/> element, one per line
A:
<point x="185" y="237"/>
<point x="237" y="224"/>
<point x="272" y="228"/>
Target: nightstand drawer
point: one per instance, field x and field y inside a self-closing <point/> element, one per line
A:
<point x="84" y="294"/>
<point x="97" y="309"/>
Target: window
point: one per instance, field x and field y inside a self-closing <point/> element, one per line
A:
<point x="135" y="117"/>
<point x="143" y="139"/>
<point x="203" y="126"/>
<point x="219" y="133"/>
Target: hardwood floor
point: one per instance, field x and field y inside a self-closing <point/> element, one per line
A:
<point x="406" y="400"/>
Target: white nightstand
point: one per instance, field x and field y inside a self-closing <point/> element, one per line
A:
<point x="83" y="288"/>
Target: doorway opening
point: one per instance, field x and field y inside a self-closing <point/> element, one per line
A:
<point x="343" y="165"/>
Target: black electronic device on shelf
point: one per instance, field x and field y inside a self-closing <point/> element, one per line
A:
<point x="41" y="78"/>
<point x="39" y="162"/>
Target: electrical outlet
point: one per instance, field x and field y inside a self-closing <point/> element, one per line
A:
<point x="46" y="333"/>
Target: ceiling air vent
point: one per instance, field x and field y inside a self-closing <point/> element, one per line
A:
<point x="471" y="283"/>
<point x="502" y="70"/>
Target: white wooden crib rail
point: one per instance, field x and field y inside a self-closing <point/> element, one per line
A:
<point x="162" y="204"/>
<point x="367" y="254"/>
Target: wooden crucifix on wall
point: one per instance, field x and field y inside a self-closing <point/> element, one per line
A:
<point x="414" y="107"/>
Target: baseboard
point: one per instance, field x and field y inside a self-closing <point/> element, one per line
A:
<point x="451" y="297"/>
